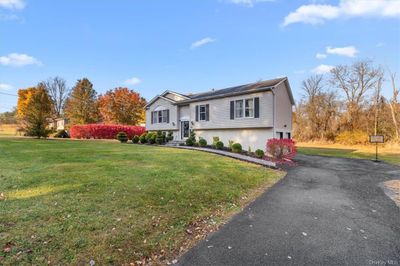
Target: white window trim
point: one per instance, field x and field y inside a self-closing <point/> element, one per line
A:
<point x="244" y="109"/>
<point x="156" y="117"/>
<point x="205" y="112"/>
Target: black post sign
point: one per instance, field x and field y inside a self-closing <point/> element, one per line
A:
<point x="376" y="139"/>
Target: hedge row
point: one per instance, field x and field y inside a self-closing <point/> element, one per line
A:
<point x="102" y="131"/>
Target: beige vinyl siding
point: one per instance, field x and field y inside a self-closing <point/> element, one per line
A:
<point x="283" y="117"/>
<point x="220" y="113"/>
<point x="173" y="120"/>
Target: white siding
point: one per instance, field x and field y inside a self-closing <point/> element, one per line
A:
<point x="174" y="97"/>
<point x="253" y="138"/>
<point x="220" y="113"/>
<point x="283" y="118"/>
<point x="173" y="120"/>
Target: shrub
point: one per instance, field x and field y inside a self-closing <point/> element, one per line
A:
<point x="237" y="147"/>
<point x="230" y="143"/>
<point x="103" y="131"/>
<point x="136" y="139"/>
<point x="143" y="138"/>
<point x="61" y="134"/>
<point x="352" y="137"/>
<point x="219" y="145"/>
<point x="281" y="149"/>
<point x="215" y="140"/>
<point x="160" y="138"/>
<point x="202" y="142"/>
<point x="170" y="136"/>
<point x="259" y="153"/>
<point x="189" y="142"/>
<point x="151" y="138"/>
<point x="122" y="137"/>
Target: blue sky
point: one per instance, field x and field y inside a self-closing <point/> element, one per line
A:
<point x="189" y="46"/>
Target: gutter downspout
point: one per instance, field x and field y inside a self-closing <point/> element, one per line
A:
<point x="273" y="111"/>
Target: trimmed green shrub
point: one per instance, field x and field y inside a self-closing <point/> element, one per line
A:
<point x="143" y="138"/>
<point x="189" y="142"/>
<point x="135" y="139"/>
<point x="151" y="138"/>
<point x="259" y="153"/>
<point x="237" y="147"/>
<point x="122" y="137"/>
<point x="219" y="145"/>
<point x="160" y="138"/>
<point x="61" y="134"/>
<point x="202" y="142"/>
<point x="170" y="136"/>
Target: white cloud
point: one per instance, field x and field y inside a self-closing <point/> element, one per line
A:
<point x="349" y="51"/>
<point x="12" y="4"/>
<point x="202" y="42"/>
<point x="18" y="60"/>
<point x="322" y="69"/>
<point x="5" y="87"/>
<point x="133" y="81"/>
<point x="319" y="13"/>
<point x="320" y="56"/>
<point x="249" y="3"/>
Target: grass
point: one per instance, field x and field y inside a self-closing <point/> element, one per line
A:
<point x="69" y="202"/>
<point x="387" y="153"/>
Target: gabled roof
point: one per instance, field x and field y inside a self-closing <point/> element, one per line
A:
<point x="227" y="92"/>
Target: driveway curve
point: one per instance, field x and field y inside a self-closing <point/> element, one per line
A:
<point x="326" y="211"/>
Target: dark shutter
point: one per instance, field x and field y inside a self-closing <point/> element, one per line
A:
<point x="256" y="107"/>
<point x="232" y="110"/>
<point x="152" y="115"/>
<point x="207" y="112"/>
<point x="168" y="116"/>
<point x="197" y="113"/>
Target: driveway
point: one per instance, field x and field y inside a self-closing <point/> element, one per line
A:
<point x="326" y="211"/>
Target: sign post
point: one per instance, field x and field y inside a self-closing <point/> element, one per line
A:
<point x="376" y="139"/>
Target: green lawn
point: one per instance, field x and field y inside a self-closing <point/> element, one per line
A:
<point x="69" y="202"/>
<point x="393" y="158"/>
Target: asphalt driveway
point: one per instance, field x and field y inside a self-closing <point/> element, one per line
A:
<point x="326" y="211"/>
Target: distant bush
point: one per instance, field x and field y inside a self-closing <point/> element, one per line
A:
<point x="122" y="137"/>
<point x="219" y="145"/>
<point x="281" y="149"/>
<point x="215" y="140"/>
<point x="189" y="142"/>
<point x="237" y="147"/>
<point x="135" y="139"/>
<point x="143" y="138"/>
<point x="170" y="136"/>
<point x="259" y="153"/>
<point x="230" y="143"/>
<point x="202" y="142"/>
<point x="103" y="131"/>
<point x="160" y="138"/>
<point x="61" y="134"/>
<point x="353" y="137"/>
<point x="151" y="138"/>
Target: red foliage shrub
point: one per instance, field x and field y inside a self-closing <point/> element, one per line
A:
<point x="102" y="131"/>
<point x="281" y="150"/>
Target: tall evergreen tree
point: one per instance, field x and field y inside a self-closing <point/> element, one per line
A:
<point x="81" y="106"/>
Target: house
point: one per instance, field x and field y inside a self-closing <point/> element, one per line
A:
<point x="248" y="114"/>
<point x="58" y="124"/>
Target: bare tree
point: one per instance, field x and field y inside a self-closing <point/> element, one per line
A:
<point x="355" y="81"/>
<point x="58" y="91"/>
<point x="394" y="106"/>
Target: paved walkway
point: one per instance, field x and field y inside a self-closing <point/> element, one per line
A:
<point x="232" y="155"/>
<point x="326" y="211"/>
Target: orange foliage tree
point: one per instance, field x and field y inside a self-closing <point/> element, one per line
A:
<point x="122" y="106"/>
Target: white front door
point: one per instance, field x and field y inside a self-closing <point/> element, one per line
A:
<point x="185" y="129"/>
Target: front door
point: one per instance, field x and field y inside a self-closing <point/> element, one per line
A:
<point x="184" y="129"/>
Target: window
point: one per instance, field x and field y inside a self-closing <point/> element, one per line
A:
<point x="160" y="116"/>
<point x="239" y="108"/>
<point x="244" y="108"/>
<point x="249" y="108"/>
<point x="202" y="113"/>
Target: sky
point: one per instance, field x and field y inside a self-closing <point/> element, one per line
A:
<point x="189" y="46"/>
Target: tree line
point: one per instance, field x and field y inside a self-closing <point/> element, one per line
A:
<point x="52" y="99"/>
<point x="346" y="105"/>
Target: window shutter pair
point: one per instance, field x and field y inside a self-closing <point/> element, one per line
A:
<point x="256" y="108"/>
<point x="207" y="112"/>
